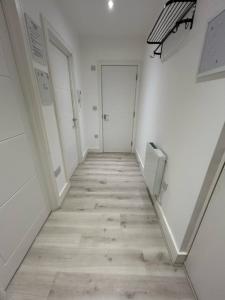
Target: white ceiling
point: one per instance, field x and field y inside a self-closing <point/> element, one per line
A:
<point x="130" y="18"/>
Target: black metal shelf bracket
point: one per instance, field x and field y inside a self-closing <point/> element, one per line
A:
<point x="157" y="52"/>
<point x="174" y="14"/>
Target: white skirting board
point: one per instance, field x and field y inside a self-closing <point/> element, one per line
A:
<point x="177" y="256"/>
<point x="84" y="155"/>
<point x="94" y="150"/>
<point x="141" y="164"/>
<point x="64" y="193"/>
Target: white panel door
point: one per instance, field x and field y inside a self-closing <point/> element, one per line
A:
<point x="118" y="97"/>
<point x="23" y="209"/>
<point x="64" y="106"/>
<point x="206" y="260"/>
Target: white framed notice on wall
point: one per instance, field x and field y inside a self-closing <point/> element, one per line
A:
<point x="212" y="64"/>
<point x="36" y="41"/>
<point x="43" y="85"/>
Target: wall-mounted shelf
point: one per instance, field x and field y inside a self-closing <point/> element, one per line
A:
<point x="172" y="16"/>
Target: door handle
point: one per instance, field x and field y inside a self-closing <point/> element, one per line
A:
<point x="106" y="117"/>
<point x="75" y="120"/>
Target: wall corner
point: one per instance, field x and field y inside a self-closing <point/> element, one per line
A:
<point x="178" y="257"/>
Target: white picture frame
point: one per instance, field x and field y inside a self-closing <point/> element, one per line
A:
<point x="212" y="61"/>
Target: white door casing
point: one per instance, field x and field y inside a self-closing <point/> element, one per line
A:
<point x="23" y="206"/>
<point x="206" y="261"/>
<point x="64" y="106"/>
<point x="119" y="83"/>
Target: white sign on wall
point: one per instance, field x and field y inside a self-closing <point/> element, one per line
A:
<point x="43" y="85"/>
<point x="36" y="40"/>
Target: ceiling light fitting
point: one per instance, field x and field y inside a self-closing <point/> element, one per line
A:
<point x="110" y="4"/>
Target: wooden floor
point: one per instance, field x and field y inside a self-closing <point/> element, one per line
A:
<point x="104" y="243"/>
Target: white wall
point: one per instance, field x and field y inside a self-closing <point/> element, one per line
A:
<point x="182" y="117"/>
<point x="94" y="50"/>
<point x="53" y="14"/>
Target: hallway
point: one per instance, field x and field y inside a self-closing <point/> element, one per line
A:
<point x="104" y="243"/>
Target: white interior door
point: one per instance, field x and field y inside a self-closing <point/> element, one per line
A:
<point x="206" y="261"/>
<point x="23" y="209"/>
<point x="64" y="106"/>
<point x="118" y="97"/>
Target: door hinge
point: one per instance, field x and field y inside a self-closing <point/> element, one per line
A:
<point x="134" y="114"/>
<point x="131" y="144"/>
<point x="137" y="77"/>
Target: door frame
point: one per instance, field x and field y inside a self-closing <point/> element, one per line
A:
<point x="100" y="64"/>
<point x="202" y="216"/>
<point x="212" y="176"/>
<point x="52" y="36"/>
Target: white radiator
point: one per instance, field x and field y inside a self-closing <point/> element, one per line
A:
<point x="155" y="161"/>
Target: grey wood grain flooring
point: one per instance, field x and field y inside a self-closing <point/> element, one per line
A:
<point x="104" y="243"/>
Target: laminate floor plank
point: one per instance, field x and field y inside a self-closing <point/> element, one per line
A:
<point x="107" y="205"/>
<point x="105" y="242"/>
<point x="95" y="185"/>
<point x="111" y="287"/>
<point x="32" y="285"/>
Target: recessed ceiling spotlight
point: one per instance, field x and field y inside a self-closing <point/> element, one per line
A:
<point x="110" y="4"/>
